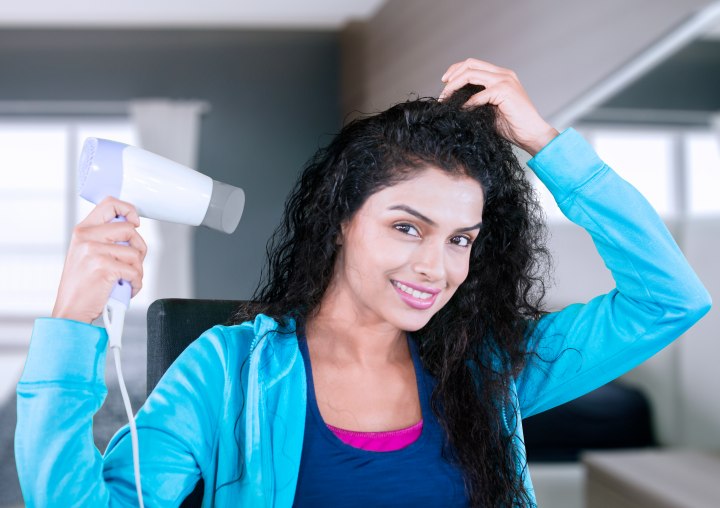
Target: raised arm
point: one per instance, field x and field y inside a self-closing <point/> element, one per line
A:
<point x="657" y="297"/>
<point x="63" y="386"/>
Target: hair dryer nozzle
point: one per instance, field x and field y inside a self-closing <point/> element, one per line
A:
<point x="226" y="207"/>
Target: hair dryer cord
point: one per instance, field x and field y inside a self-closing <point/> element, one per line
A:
<point x="114" y="319"/>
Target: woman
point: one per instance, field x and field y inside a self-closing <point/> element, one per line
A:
<point x="398" y="337"/>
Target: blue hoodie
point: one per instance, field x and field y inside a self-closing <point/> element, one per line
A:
<point x="253" y="374"/>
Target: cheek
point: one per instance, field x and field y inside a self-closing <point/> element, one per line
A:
<point x="458" y="271"/>
<point x="379" y="250"/>
<point x="370" y="256"/>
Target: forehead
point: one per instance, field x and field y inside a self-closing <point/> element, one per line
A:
<point x="435" y="193"/>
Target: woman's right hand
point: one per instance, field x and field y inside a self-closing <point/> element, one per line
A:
<point x="95" y="262"/>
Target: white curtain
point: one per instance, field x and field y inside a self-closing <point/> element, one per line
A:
<point x="171" y="129"/>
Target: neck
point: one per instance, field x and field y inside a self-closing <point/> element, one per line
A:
<point x="341" y="333"/>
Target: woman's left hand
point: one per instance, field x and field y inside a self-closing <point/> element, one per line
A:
<point x="519" y="121"/>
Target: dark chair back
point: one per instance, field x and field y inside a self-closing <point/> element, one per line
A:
<point x="172" y="324"/>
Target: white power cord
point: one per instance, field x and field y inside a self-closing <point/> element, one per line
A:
<point x="114" y="320"/>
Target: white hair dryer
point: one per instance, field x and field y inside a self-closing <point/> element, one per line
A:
<point x="159" y="189"/>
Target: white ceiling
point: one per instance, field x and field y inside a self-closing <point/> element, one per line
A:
<point x="324" y="14"/>
<point x="299" y="14"/>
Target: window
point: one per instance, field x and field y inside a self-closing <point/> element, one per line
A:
<point x="703" y="173"/>
<point x="39" y="205"/>
<point x="677" y="170"/>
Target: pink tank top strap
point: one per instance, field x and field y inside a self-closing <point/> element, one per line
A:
<point x="379" y="441"/>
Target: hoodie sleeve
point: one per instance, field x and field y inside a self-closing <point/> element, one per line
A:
<point x="657" y="295"/>
<point x="63" y="386"/>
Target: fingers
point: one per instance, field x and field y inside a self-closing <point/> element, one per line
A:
<point x="518" y="120"/>
<point x="115" y="261"/>
<point x="98" y="226"/>
<point x="473" y="63"/>
<point x="477" y="72"/>
<point x="126" y="265"/>
<point x="123" y="254"/>
<point x="110" y="233"/>
<point x="108" y="209"/>
<point x="96" y="260"/>
<point x="98" y="253"/>
<point x="112" y="262"/>
<point x="497" y="95"/>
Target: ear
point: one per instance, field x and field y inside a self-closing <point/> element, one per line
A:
<point x="340" y="237"/>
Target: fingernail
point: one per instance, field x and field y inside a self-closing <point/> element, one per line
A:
<point x="444" y="77"/>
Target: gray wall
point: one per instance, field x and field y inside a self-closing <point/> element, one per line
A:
<point x="559" y="48"/>
<point x="274" y="99"/>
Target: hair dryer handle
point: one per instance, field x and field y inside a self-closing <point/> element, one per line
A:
<point x="122" y="290"/>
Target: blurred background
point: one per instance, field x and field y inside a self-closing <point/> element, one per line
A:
<point x="247" y="91"/>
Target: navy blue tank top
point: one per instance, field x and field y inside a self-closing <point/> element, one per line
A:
<point x="335" y="474"/>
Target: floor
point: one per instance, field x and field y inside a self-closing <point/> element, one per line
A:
<point x="559" y="485"/>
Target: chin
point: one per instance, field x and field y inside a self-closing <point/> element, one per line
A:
<point x="413" y="323"/>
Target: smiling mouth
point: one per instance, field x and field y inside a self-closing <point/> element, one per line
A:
<point x="420" y="295"/>
<point x="415" y="298"/>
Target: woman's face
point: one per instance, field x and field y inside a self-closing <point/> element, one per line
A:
<point x="407" y="250"/>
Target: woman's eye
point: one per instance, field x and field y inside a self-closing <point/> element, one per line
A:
<point x="461" y="241"/>
<point x="407" y="229"/>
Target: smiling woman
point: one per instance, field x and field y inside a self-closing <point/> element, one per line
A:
<point x="397" y="339"/>
<point x="418" y="219"/>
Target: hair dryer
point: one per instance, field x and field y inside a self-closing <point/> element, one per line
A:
<point x="159" y="189"/>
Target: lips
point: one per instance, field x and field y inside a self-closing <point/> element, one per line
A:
<point x="414" y="295"/>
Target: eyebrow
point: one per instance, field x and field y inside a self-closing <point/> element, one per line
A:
<point x="429" y="221"/>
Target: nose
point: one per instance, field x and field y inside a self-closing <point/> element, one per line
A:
<point x="429" y="260"/>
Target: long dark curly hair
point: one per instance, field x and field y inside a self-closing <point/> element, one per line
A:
<point x="477" y="342"/>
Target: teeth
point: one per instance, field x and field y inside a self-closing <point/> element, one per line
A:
<point x="413" y="292"/>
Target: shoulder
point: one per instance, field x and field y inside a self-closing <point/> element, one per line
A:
<point x="240" y="340"/>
